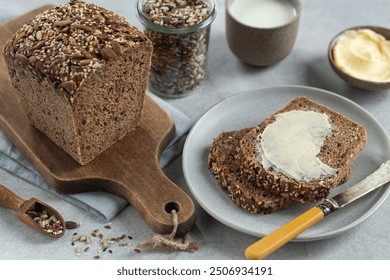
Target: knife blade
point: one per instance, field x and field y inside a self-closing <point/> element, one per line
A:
<point x="292" y="229"/>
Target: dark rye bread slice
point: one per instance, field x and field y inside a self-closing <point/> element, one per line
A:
<point x="341" y="147"/>
<point x="226" y="167"/>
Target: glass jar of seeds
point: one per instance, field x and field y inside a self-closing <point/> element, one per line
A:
<point x="180" y="31"/>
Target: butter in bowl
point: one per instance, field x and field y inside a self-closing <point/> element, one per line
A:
<point x="361" y="57"/>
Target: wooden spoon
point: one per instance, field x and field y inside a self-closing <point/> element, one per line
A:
<point x="34" y="213"/>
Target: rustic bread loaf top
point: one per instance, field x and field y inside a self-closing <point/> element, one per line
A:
<point x="68" y="42"/>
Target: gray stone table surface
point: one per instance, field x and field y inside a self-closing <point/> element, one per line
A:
<point x="306" y="65"/>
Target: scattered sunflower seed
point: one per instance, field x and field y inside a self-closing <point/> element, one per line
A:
<point x="122" y="243"/>
<point x="76" y="237"/>
<point x="71" y="225"/>
<point x="104" y="242"/>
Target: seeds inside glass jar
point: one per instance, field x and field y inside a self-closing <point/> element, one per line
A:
<point x="180" y="39"/>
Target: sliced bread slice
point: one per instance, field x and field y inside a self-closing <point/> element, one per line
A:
<point x="340" y="149"/>
<point x="226" y="167"/>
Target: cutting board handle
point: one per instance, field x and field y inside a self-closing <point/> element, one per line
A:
<point x="155" y="201"/>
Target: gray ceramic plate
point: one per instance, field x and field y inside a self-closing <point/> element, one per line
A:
<point x="249" y="108"/>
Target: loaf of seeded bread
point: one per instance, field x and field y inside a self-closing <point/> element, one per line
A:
<point x="225" y="164"/>
<point x="340" y="149"/>
<point x="81" y="74"/>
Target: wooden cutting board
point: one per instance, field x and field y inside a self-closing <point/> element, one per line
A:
<point x="129" y="169"/>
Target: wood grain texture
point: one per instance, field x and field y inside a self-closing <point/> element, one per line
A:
<point x="129" y="169"/>
<point x="9" y="199"/>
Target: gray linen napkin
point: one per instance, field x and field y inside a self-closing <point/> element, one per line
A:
<point x="104" y="205"/>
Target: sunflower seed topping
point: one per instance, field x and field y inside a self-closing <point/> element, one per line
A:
<point x="69" y="42"/>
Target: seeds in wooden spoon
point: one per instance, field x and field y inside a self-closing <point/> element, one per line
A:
<point x="50" y="224"/>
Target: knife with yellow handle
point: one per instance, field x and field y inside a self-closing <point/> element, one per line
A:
<point x="292" y="229"/>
